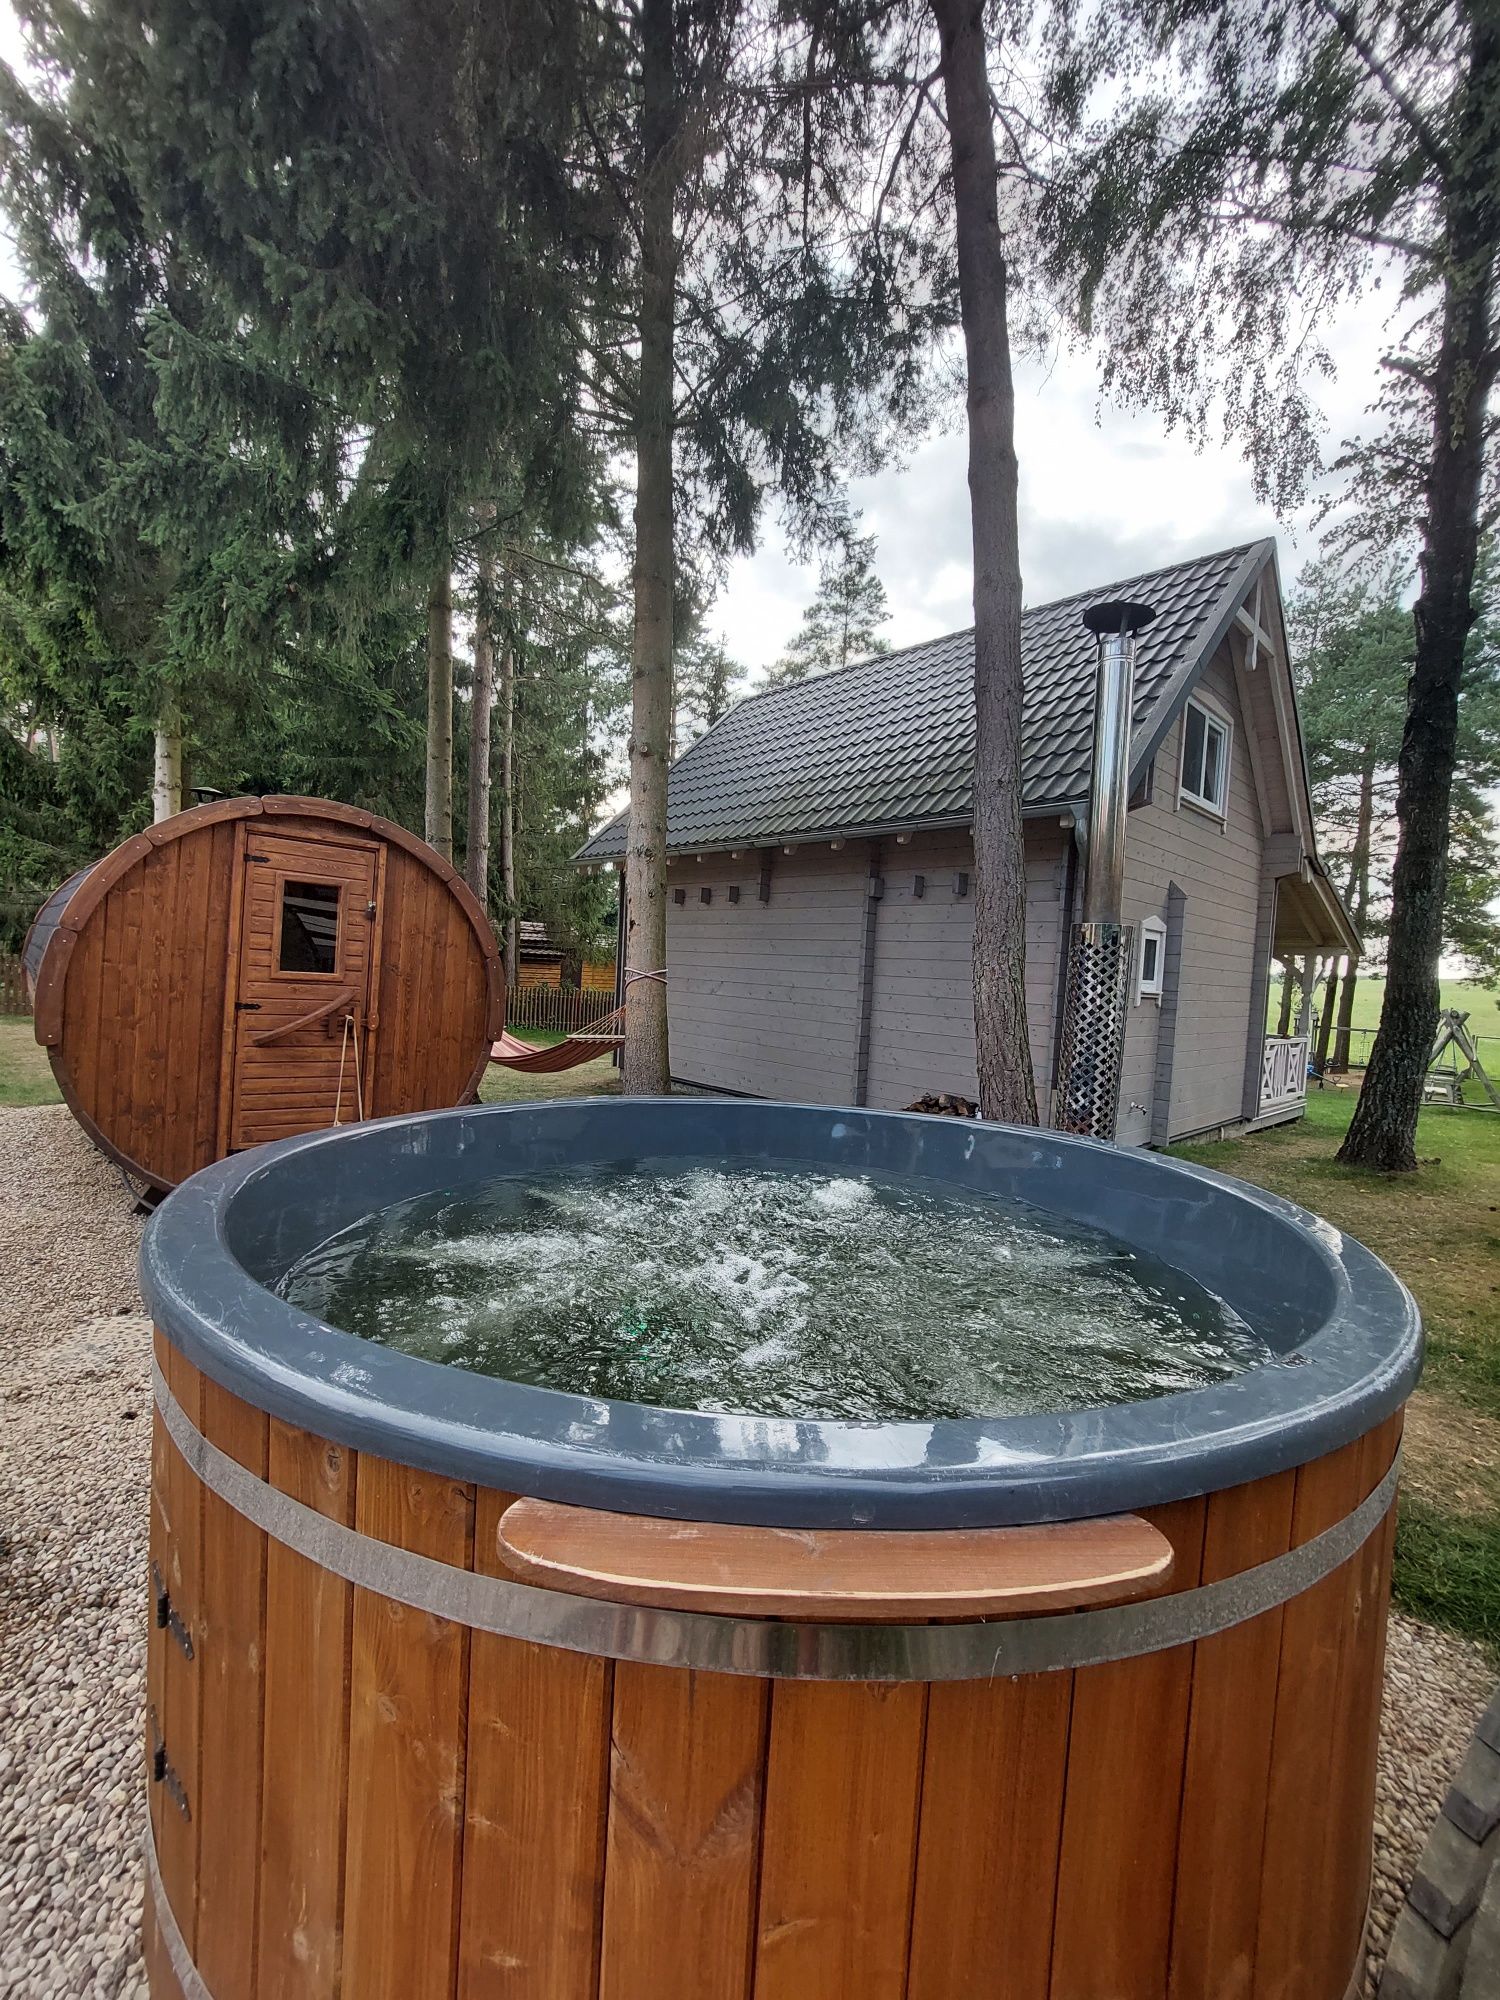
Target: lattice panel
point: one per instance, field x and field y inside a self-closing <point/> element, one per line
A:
<point x="1093" y="1033"/>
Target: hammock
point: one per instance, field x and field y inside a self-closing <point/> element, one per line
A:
<point x="586" y="1046"/>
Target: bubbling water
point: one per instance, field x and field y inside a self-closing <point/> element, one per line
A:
<point x="775" y="1291"/>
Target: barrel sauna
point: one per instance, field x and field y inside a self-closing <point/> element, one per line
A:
<point x="255" y="968"/>
<point x="459" y="1689"/>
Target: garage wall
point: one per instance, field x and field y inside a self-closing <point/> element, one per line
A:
<point x="764" y="998"/>
<point x="922" y="1011"/>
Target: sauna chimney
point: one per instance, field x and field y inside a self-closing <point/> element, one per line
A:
<point x="1102" y="947"/>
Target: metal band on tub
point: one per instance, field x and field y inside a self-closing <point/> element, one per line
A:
<point x="773" y="1650"/>
<point x="168" y="1930"/>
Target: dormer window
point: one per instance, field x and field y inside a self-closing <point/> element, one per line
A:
<point x="1205" y="759"/>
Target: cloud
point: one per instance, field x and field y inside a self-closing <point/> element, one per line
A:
<point x="1105" y="494"/>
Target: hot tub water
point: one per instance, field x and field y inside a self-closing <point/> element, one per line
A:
<point x="780" y="1291"/>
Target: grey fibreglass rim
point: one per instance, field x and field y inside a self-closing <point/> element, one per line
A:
<point x="712" y="1643"/>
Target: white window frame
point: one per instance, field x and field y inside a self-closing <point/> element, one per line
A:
<point x="1151" y="989"/>
<point x="1213" y="718"/>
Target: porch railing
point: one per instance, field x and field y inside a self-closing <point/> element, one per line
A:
<point x="1283" y="1072"/>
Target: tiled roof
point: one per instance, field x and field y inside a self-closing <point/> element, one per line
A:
<point x="890" y="742"/>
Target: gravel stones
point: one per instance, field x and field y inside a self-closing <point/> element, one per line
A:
<point x="75" y="1427"/>
<point x="75" y="1434"/>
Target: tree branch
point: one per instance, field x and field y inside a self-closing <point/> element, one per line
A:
<point x="1344" y="20"/>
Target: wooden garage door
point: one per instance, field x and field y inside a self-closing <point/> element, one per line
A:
<point x="302" y="1006"/>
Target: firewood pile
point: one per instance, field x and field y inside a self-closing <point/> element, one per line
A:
<point x="946" y="1105"/>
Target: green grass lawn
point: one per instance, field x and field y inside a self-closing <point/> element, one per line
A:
<point x="508" y="1086"/>
<point x="1440" y="1231"/>
<point x="25" y="1073"/>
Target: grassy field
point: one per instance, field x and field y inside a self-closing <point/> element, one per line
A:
<point x="508" y="1086"/>
<point x="1480" y="1004"/>
<point x="1441" y="1232"/>
<point x="25" y="1073"/>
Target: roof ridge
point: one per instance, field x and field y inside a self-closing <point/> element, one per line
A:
<point x="962" y="631"/>
<point x="877" y="753"/>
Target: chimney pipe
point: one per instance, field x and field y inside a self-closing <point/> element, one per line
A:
<point x="1102" y="948"/>
<point x="1114" y="626"/>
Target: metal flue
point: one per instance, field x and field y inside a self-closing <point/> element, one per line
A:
<point x="1102" y="947"/>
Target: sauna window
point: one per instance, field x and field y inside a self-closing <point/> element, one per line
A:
<point x="1151" y="979"/>
<point x="309" y="927"/>
<point x="1205" y="759"/>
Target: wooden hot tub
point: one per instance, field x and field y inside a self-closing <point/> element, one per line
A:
<point x="1031" y="1709"/>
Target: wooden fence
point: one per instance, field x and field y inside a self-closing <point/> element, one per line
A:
<point x="13" y="998"/>
<point x="560" y="1009"/>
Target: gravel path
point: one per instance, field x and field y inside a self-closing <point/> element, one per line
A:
<point x="75" y="1433"/>
<point x="74" y="1467"/>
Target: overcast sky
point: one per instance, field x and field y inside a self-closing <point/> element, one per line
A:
<point x="1105" y="494"/>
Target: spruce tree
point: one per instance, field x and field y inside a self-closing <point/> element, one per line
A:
<point x="843" y="622"/>
<point x="364" y="207"/>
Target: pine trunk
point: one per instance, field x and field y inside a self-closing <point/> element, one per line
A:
<point x="438" y="817"/>
<point x="1383" y="1131"/>
<point x="166" y="773"/>
<point x="1359" y="905"/>
<point x="477" y="840"/>
<point x="1007" y="1087"/>
<point x="645" y="1065"/>
<point x="509" y="931"/>
<point x="1325" y="1017"/>
<point x="1344" y="1035"/>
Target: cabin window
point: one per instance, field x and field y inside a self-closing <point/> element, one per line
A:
<point x="309" y="927"/>
<point x="1150" y="977"/>
<point x="1205" y="758"/>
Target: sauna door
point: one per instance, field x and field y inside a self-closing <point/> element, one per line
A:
<point x="301" y="1010"/>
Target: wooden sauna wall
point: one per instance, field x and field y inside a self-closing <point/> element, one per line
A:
<point x="143" y="1008"/>
<point x="143" y="1054"/>
<point x="435" y="1014"/>
<point x="388" y="1801"/>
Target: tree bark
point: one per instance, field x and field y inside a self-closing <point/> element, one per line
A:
<point x="509" y="932"/>
<point x="166" y="774"/>
<point x="1007" y="1086"/>
<point x="477" y="840"/>
<point x="1288" y="985"/>
<point x="1359" y="905"/>
<point x="438" y="817"/>
<point x="1383" y="1131"/>
<point x="646" y="1067"/>
<point x="1325" y="1018"/>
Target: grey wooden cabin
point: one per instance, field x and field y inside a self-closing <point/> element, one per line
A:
<point x="820" y="911"/>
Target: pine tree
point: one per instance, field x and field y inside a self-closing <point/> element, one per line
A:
<point x="708" y="683"/>
<point x="1352" y="648"/>
<point x="755" y="331"/>
<point x="1261" y="162"/>
<point x="844" y="620"/>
